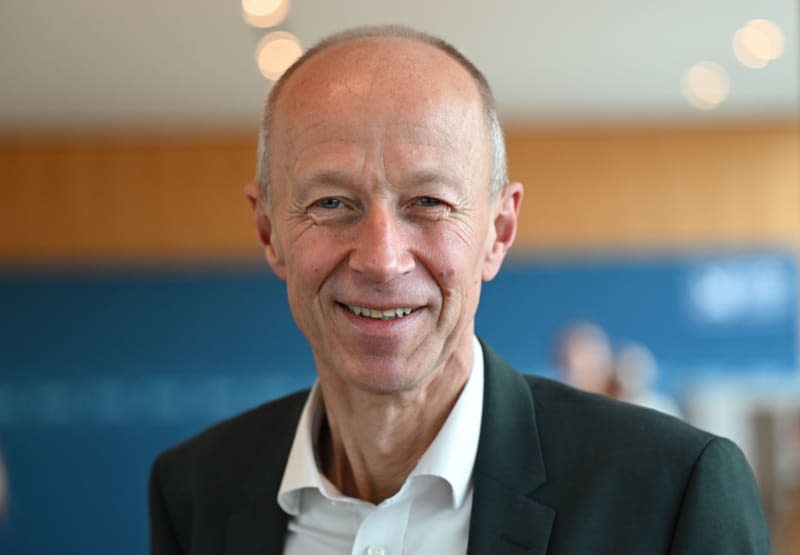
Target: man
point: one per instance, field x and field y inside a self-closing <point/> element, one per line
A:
<point x="383" y="204"/>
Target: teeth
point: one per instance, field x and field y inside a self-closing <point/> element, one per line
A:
<point x="390" y="314"/>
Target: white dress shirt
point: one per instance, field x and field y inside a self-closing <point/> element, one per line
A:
<point x="429" y="515"/>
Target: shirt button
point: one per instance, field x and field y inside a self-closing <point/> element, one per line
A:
<point x="376" y="550"/>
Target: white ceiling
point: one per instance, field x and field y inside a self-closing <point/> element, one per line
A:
<point x="167" y="63"/>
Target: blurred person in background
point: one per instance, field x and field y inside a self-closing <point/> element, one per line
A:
<point x="383" y="203"/>
<point x="585" y="359"/>
<point x="635" y="372"/>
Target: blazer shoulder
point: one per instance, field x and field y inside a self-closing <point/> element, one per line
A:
<point x="196" y="485"/>
<point x="614" y="474"/>
<point x="589" y="415"/>
<point x="567" y="416"/>
<point x="237" y="439"/>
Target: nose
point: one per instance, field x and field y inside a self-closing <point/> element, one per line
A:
<point x="380" y="251"/>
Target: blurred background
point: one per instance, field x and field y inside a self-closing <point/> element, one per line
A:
<point x="657" y="258"/>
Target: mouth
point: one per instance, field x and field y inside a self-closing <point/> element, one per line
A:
<point x="376" y="314"/>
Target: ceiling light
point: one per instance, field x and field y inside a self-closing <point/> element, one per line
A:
<point x="264" y="13"/>
<point x="705" y="85"/>
<point x="758" y="42"/>
<point x="744" y="54"/>
<point x="276" y="52"/>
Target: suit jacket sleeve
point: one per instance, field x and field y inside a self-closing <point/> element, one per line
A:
<point x="163" y="539"/>
<point x="720" y="511"/>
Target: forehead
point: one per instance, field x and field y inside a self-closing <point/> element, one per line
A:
<point x="405" y="71"/>
<point x="382" y="91"/>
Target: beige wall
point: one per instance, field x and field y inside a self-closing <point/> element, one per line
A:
<point x="126" y="198"/>
<point x="155" y="197"/>
<point x="658" y="188"/>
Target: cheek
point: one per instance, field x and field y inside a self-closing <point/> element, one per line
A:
<point x="309" y="261"/>
<point x="309" y="280"/>
<point x="456" y="262"/>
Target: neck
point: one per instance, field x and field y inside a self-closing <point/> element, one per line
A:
<point x="369" y="444"/>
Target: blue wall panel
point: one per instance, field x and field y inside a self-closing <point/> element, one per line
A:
<point x="102" y="369"/>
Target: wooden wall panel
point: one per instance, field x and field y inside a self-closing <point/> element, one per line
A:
<point x="658" y="188"/>
<point x="126" y="198"/>
<point x="158" y="198"/>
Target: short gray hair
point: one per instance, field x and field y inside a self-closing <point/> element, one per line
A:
<point x="494" y="130"/>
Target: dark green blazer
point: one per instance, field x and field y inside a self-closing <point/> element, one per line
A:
<point x="557" y="471"/>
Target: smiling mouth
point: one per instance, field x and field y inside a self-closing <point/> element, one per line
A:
<point x="389" y="314"/>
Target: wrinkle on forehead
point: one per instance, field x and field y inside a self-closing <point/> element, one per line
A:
<point x="402" y="145"/>
<point x="376" y="92"/>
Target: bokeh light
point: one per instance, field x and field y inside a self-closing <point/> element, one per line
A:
<point x="705" y="85"/>
<point x="757" y="43"/>
<point x="264" y="13"/>
<point x="276" y="52"/>
<point x="744" y="54"/>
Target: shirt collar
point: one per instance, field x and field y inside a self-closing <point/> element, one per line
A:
<point x="301" y="469"/>
<point x="449" y="457"/>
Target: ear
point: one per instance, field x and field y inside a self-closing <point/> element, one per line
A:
<point x="272" y="249"/>
<point x="505" y="211"/>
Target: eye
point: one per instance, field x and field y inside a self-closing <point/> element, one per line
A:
<point x="429" y="208"/>
<point x="329" y="203"/>
<point x="428" y="201"/>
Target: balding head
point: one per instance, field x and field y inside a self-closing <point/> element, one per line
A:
<point x="380" y="52"/>
<point x="379" y="201"/>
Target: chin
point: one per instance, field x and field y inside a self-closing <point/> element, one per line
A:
<point x="387" y="381"/>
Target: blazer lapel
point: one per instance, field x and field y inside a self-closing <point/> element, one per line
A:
<point x="508" y="468"/>
<point x="258" y="527"/>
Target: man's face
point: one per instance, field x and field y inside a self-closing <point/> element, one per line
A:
<point x="380" y="220"/>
